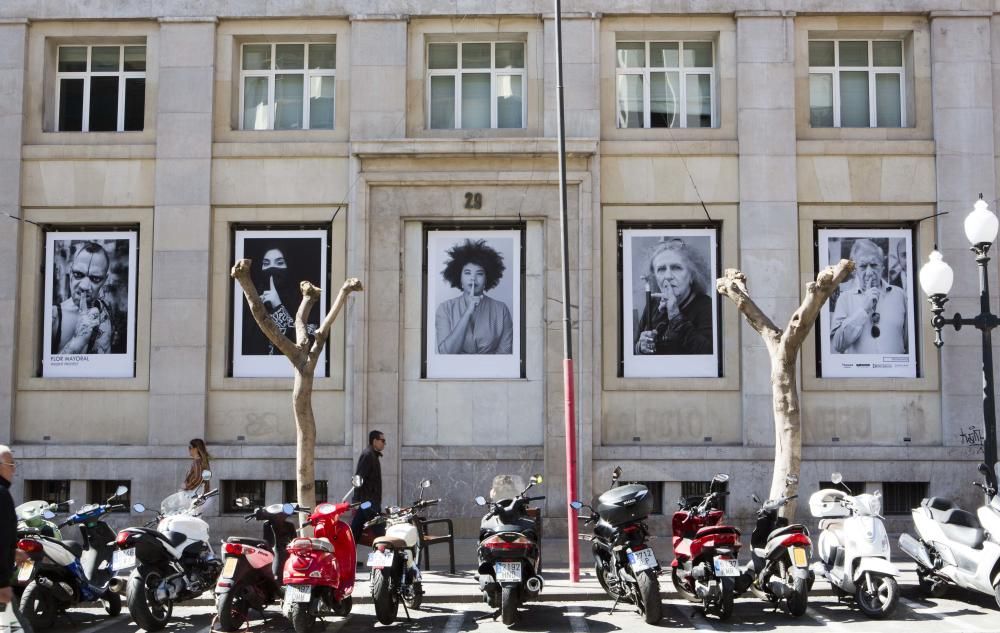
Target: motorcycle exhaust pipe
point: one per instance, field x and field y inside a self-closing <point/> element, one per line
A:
<point x="534" y="584"/>
<point x="117" y="585"/>
<point x="915" y="550"/>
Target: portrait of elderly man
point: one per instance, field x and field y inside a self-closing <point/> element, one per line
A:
<point x="677" y="318"/>
<point x="87" y="320"/>
<point x="870" y="315"/>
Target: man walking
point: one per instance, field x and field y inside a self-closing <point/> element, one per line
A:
<point x="8" y="541"/>
<point x="370" y="469"/>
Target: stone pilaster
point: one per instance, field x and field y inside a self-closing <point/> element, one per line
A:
<point x="768" y="200"/>
<point x="378" y="77"/>
<point x="962" y="86"/>
<point x="581" y="75"/>
<point x="179" y="347"/>
<point x="13" y="51"/>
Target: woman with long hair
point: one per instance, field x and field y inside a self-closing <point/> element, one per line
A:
<point x="199" y="463"/>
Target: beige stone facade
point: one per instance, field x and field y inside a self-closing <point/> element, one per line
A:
<point x="762" y="173"/>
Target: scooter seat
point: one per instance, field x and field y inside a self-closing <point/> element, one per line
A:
<point x="395" y="543"/>
<point x="252" y="542"/>
<point x="833" y="525"/>
<point x="937" y="507"/>
<point x="795" y="528"/>
<point x="74" y="548"/>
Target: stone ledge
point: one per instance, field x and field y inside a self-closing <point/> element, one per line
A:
<point x="465" y="147"/>
<point x="473" y="453"/>
<point x="846" y="453"/>
<point x="670" y="148"/>
<point x="280" y="149"/>
<point x="87" y="152"/>
<point x="827" y="148"/>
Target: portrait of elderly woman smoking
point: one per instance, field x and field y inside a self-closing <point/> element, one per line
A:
<point x="870" y="315"/>
<point x="473" y="323"/>
<point x="677" y="317"/>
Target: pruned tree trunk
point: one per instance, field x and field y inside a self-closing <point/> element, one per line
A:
<point x="303" y="353"/>
<point x="783" y="349"/>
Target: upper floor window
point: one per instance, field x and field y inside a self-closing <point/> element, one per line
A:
<point x="856" y="83"/>
<point x="476" y="85"/>
<point x="665" y="84"/>
<point x="287" y="86"/>
<point x="100" y="88"/>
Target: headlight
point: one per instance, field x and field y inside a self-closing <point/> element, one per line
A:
<point x="876" y="505"/>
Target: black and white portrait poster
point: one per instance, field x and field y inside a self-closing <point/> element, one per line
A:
<point x="473" y="318"/>
<point x="670" y="310"/>
<point x="867" y="328"/>
<point x="280" y="259"/>
<point x="90" y="294"/>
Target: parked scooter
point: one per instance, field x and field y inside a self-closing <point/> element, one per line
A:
<point x="319" y="573"/>
<point x="173" y="562"/>
<point x="252" y="568"/>
<point x="395" y="559"/>
<point x="61" y="574"/>
<point x="509" y="547"/>
<point x="32" y="517"/>
<point x="779" y="559"/>
<point x="625" y="566"/>
<point x="854" y="548"/>
<point x="705" y="568"/>
<point x="954" y="547"/>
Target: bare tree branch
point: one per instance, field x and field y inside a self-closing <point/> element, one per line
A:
<point x="816" y="295"/>
<point x="734" y="286"/>
<point x="310" y="295"/>
<point x="241" y="273"/>
<point x="350" y="285"/>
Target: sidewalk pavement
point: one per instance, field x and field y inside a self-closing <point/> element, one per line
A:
<point x="441" y="587"/>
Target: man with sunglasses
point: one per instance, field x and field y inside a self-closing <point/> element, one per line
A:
<point x="370" y="469"/>
<point x="8" y="542"/>
<point x="83" y="323"/>
<point x="870" y="317"/>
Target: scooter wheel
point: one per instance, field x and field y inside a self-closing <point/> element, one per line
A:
<point x="416" y="596"/>
<point x="343" y="608"/>
<point x="112" y="603"/>
<point x="681" y="589"/>
<point x="881" y="602"/>
<point x="231" y="610"/>
<point x="649" y="594"/>
<point x="302" y="618"/>
<point x="509" y="598"/>
<point x="38" y="606"/>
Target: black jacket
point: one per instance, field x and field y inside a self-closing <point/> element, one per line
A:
<point x="8" y="533"/>
<point x="370" y="469"/>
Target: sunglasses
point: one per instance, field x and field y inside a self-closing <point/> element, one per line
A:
<point x="875" y="319"/>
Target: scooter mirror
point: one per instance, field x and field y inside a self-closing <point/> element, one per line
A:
<point x="836" y="478"/>
<point x="138" y="507"/>
<point x="984" y="469"/>
<point x="616" y="474"/>
<point x="755" y="498"/>
<point x="206" y="475"/>
<point x="791" y="480"/>
<point x="357" y="480"/>
<point x="576" y="505"/>
<point x="242" y="502"/>
<point x="425" y="483"/>
<point x="120" y="490"/>
<point x="288" y="508"/>
<point x="48" y="515"/>
<point x="536" y="479"/>
<point x="366" y="505"/>
<point x="480" y="500"/>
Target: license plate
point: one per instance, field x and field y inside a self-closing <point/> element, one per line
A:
<point x="298" y="593"/>
<point x="726" y="567"/>
<point x="378" y="560"/>
<point x="642" y="560"/>
<point x="230" y="567"/>
<point x="123" y="559"/>
<point x="799" y="557"/>
<point x="507" y="571"/>
<point x="24" y="571"/>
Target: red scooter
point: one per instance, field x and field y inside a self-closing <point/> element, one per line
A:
<point x="319" y="572"/>
<point x="705" y="568"/>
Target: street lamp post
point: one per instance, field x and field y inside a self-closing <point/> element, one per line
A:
<point x="936" y="278"/>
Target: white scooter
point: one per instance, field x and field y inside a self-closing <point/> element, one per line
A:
<point x="954" y="547"/>
<point x="854" y="548"/>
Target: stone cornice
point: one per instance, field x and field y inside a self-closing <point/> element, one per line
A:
<point x="437" y="148"/>
<point x="201" y="19"/>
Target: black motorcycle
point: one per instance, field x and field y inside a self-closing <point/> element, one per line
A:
<point x="625" y="565"/>
<point x="252" y="568"/>
<point x="509" y="547"/>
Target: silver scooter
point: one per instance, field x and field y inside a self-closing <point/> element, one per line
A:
<point x="956" y="547"/>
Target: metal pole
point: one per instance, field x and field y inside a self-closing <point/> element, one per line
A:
<point x="989" y="397"/>
<point x="571" y="531"/>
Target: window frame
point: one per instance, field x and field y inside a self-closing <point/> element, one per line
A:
<point x="230" y="493"/>
<point x="271" y="73"/>
<point x="871" y="70"/>
<point x="683" y="73"/>
<point x="458" y="72"/>
<point x="88" y="75"/>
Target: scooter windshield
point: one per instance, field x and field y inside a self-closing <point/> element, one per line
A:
<point x="506" y="487"/>
<point x="177" y="502"/>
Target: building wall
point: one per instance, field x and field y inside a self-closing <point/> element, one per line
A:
<point x="380" y="176"/>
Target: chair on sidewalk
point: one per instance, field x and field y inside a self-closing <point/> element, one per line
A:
<point x="427" y="539"/>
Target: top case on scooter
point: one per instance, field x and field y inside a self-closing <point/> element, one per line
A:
<point x="957" y="524"/>
<point x="632" y="502"/>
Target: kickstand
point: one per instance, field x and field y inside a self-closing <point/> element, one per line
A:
<point x="617" y="600"/>
<point x="406" y="611"/>
<point x="494" y="615"/>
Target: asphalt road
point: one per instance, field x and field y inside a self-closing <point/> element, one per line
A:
<point x="958" y="611"/>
